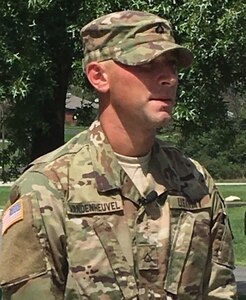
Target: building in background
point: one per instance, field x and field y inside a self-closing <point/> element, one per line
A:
<point x="73" y="103"/>
<point x="80" y="111"/>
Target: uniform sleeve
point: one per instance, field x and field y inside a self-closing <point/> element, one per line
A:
<point x="220" y="276"/>
<point x="33" y="255"/>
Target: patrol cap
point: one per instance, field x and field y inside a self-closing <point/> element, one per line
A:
<point x="131" y="38"/>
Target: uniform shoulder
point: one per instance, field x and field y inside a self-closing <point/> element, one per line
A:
<point x="55" y="164"/>
<point x="50" y="171"/>
<point x="168" y="146"/>
<point x="171" y="150"/>
<point x="186" y="166"/>
<point x="71" y="147"/>
<point x="63" y="166"/>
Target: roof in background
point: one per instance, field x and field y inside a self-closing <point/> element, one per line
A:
<point x="73" y="102"/>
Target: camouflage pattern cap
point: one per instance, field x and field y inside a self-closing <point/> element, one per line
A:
<point x="131" y="38"/>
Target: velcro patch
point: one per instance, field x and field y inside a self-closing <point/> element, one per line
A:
<point x="94" y="207"/>
<point x="179" y="202"/>
<point x="12" y="215"/>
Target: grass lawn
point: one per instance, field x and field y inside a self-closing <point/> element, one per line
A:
<point x="71" y="131"/>
<point x="4" y="192"/>
<point x="236" y="215"/>
<point x="235" y="190"/>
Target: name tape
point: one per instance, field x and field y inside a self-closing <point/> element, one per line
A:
<point x="94" y="207"/>
<point x="177" y="202"/>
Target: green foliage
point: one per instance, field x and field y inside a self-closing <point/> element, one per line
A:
<point x="36" y="53"/>
<point x="86" y="114"/>
<point x="213" y="36"/>
<point x="4" y="194"/>
<point x="221" y="150"/>
<point x="40" y="55"/>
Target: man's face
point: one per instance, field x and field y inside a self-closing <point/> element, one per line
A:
<point x="143" y="95"/>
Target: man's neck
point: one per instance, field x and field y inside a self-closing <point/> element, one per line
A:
<point x="128" y="141"/>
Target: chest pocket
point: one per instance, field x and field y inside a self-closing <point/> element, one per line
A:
<point x="190" y="232"/>
<point x="96" y="259"/>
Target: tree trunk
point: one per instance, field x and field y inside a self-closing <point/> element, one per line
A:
<point x="47" y="139"/>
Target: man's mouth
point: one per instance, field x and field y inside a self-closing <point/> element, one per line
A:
<point x="161" y="99"/>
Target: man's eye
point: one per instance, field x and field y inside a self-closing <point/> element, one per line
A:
<point x="145" y="67"/>
<point x="174" y="64"/>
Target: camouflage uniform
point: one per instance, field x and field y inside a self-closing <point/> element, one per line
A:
<point x="76" y="227"/>
<point x="131" y="38"/>
<point x="85" y="233"/>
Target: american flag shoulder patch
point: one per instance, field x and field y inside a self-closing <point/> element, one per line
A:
<point x="12" y="215"/>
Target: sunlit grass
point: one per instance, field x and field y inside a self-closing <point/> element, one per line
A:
<point x="4" y="192"/>
<point x="233" y="190"/>
<point x="236" y="215"/>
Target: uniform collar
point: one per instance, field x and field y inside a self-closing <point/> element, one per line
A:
<point x="109" y="175"/>
<point x="178" y="174"/>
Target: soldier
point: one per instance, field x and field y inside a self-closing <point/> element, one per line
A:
<point x="116" y="213"/>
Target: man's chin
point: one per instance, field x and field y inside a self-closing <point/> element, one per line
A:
<point x="163" y="123"/>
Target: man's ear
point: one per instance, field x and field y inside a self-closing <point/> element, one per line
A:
<point x="97" y="76"/>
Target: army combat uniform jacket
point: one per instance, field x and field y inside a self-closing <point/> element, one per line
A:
<point x="76" y="227"/>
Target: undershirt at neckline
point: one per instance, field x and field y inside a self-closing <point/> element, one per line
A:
<point x="137" y="168"/>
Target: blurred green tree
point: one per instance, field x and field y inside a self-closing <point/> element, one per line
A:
<point x="40" y="55"/>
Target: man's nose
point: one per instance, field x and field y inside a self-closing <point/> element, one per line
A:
<point x="168" y="76"/>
